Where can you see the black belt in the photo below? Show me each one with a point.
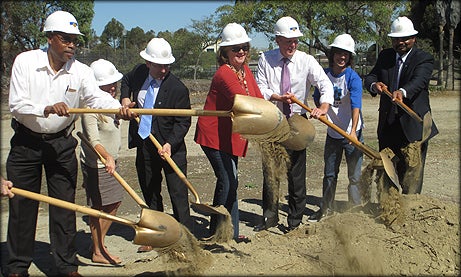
(18, 127)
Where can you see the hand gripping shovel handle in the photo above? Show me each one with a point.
(387, 163)
(368, 151)
(402, 105)
(117, 176)
(174, 166)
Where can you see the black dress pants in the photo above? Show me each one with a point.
(27, 157)
(149, 167)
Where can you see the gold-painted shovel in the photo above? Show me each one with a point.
(154, 228)
(197, 204)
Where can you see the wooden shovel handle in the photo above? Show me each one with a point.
(367, 150)
(175, 167)
(70, 206)
(402, 105)
(157, 112)
(117, 176)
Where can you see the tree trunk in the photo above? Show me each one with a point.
(450, 76)
(440, 80)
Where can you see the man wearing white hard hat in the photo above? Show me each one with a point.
(346, 114)
(44, 84)
(103, 191)
(152, 85)
(405, 71)
(283, 73)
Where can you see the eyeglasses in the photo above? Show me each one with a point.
(67, 40)
(237, 49)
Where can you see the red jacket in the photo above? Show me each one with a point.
(216, 132)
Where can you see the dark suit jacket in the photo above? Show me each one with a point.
(172, 94)
(414, 78)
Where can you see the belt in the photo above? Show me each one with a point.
(43, 136)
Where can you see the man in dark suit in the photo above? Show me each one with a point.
(152, 85)
(406, 70)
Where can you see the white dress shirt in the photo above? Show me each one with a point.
(305, 72)
(34, 85)
(145, 86)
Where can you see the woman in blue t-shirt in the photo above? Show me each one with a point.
(346, 114)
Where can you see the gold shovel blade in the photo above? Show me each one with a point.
(156, 229)
(254, 116)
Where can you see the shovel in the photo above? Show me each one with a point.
(386, 160)
(249, 115)
(197, 204)
(148, 216)
(426, 121)
(154, 228)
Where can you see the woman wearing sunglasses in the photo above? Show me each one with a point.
(214, 134)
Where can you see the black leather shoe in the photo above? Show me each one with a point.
(268, 223)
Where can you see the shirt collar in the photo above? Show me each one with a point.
(43, 62)
(404, 56)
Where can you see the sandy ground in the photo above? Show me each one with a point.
(424, 241)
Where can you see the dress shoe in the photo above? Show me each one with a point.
(144, 248)
(18, 275)
(318, 215)
(268, 223)
(74, 274)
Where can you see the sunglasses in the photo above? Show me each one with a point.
(66, 40)
(237, 49)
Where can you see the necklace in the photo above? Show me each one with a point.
(241, 77)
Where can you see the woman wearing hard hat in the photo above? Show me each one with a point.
(221, 146)
(406, 70)
(103, 191)
(346, 114)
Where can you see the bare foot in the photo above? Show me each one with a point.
(105, 258)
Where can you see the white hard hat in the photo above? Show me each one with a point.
(158, 51)
(233, 34)
(287, 27)
(344, 42)
(402, 27)
(61, 21)
(105, 72)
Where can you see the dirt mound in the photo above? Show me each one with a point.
(425, 242)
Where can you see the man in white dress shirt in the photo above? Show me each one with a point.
(304, 72)
(44, 84)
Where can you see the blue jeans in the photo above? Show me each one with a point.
(332, 156)
(225, 170)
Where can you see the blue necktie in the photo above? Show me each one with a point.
(146, 120)
(285, 85)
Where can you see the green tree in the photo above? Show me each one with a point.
(320, 21)
(113, 33)
(22, 24)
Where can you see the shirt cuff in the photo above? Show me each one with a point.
(404, 92)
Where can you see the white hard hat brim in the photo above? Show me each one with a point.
(293, 35)
(112, 79)
(235, 42)
(401, 35)
(342, 47)
(149, 58)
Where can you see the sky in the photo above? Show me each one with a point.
(159, 15)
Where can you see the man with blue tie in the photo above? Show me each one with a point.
(406, 70)
(152, 85)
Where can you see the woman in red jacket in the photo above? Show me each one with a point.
(214, 134)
